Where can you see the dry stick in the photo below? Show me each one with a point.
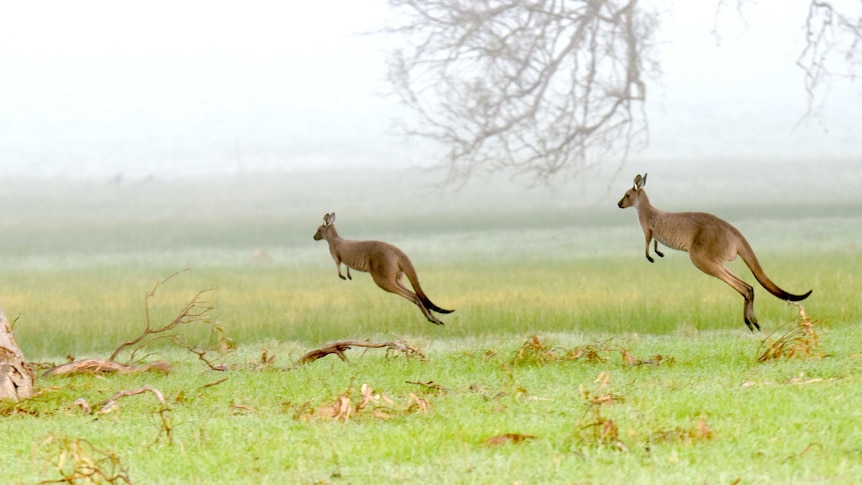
(429, 385)
(200, 353)
(214, 383)
(340, 346)
(134, 392)
(105, 406)
(82, 403)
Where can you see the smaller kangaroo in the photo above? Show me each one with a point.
(386, 263)
(709, 241)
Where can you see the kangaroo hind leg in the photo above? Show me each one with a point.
(391, 282)
(718, 270)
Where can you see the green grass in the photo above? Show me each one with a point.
(78, 264)
(90, 310)
(711, 414)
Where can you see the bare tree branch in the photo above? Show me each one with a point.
(829, 33)
(539, 87)
(832, 45)
(535, 87)
(195, 310)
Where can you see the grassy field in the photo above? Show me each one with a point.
(569, 359)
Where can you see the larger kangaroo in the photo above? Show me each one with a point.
(386, 263)
(710, 242)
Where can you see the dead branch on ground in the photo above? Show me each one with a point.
(370, 404)
(506, 438)
(199, 352)
(535, 352)
(79, 461)
(214, 383)
(430, 385)
(108, 404)
(133, 392)
(340, 346)
(95, 366)
(195, 310)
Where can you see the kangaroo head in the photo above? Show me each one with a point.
(632, 195)
(328, 219)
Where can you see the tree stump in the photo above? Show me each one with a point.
(16, 379)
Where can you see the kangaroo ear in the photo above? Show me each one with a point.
(640, 181)
(330, 218)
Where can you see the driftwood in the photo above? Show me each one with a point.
(340, 346)
(96, 366)
(16, 378)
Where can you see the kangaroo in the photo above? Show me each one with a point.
(386, 263)
(709, 241)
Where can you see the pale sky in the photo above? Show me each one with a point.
(94, 88)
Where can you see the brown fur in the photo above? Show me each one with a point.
(709, 241)
(386, 263)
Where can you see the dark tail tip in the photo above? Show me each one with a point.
(791, 297)
(431, 306)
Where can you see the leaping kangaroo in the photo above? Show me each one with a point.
(709, 241)
(386, 263)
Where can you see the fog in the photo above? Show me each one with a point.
(99, 89)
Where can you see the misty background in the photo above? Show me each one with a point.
(101, 89)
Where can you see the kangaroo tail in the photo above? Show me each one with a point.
(410, 273)
(748, 256)
(431, 306)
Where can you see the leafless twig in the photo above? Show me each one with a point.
(79, 461)
(133, 392)
(829, 33)
(195, 310)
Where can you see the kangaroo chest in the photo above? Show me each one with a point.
(666, 229)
